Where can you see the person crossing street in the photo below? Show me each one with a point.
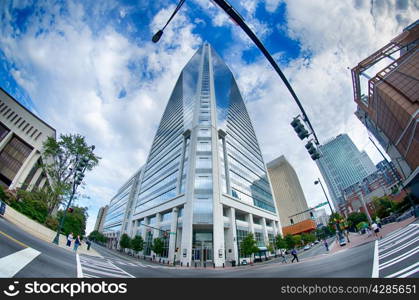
(294, 254)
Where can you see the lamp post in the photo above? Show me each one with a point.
(330, 206)
(81, 166)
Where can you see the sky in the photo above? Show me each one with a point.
(90, 67)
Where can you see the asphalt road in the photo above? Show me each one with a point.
(397, 257)
(52, 261)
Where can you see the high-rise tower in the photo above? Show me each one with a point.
(204, 180)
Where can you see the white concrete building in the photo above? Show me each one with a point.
(22, 135)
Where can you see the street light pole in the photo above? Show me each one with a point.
(317, 182)
(80, 168)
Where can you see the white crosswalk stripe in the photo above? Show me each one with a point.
(93, 267)
(11, 264)
(398, 253)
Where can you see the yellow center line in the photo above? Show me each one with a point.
(13, 239)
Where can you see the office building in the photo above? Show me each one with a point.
(289, 195)
(386, 92)
(342, 165)
(204, 185)
(100, 220)
(22, 135)
(117, 218)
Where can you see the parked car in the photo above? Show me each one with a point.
(307, 247)
(2, 208)
(316, 242)
(407, 214)
(342, 241)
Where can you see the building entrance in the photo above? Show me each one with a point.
(202, 251)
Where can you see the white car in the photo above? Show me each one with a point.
(306, 247)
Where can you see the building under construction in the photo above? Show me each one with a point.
(386, 90)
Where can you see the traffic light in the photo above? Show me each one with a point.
(311, 215)
(70, 210)
(312, 151)
(299, 128)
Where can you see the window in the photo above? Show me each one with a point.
(3, 131)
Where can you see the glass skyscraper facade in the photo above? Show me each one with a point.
(204, 170)
(342, 165)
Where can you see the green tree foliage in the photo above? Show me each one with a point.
(356, 217)
(280, 243)
(125, 241)
(298, 240)
(248, 245)
(290, 241)
(96, 236)
(30, 204)
(158, 246)
(60, 159)
(308, 238)
(137, 243)
(75, 221)
(384, 206)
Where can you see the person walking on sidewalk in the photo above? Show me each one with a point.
(294, 254)
(77, 243)
(69, 239)
(376, 230)
(284, 258)
(326, 244)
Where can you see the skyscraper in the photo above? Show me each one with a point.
(289, 195)
(386, 92)
(342, 165)
(204, 182)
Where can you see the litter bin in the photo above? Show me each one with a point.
(233, 263)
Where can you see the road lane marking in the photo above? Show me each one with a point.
(375, 262)
(411, 230)
(409, 273)
(404, 271)
(399, 258)
(392, 251)
(14, 240)
(10, 265)
(398, 241)
(98, 267)
(79, 269)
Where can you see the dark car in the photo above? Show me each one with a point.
(2, 208)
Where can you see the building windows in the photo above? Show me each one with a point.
(12, 158)
(3, 131)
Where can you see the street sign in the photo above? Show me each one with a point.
(321, 204)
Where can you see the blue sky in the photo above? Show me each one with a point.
(90, 67)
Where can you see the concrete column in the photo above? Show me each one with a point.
(34, 179)
(265, 232)
(231, 239)
(249, 219)
(42, 183)
(173, 235)
(6, 140)
(274, 228)
(24, 170)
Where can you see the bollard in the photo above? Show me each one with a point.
(214, 265)
(187, 264)
(181, 264)
(223, 265)
(195, 264)
(205, 264)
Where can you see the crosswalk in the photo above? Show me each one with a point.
(11, 264)
(99, 267)
(397, 255)
(103, 267)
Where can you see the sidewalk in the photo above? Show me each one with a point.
(356, 239)
(42, 232)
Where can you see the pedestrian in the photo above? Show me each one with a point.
(69, 239)
(294, 254)
(284, 258)
(347, 235)
(88, 244)
(378, 221)
(376, 230)
(77, 243)
(326, 244)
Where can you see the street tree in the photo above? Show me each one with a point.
(383, 206)
(248, 246)
(290, 241)
(96, 236)
(280, 243)
(137, 243)
(125, 241)
(355, 218)
(75, 220)
(60, 159)
(158, 246)
(308, 238)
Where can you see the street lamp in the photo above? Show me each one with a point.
(240, 22)
(330, 206)
(80, 168)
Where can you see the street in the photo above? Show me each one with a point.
(22, 255)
